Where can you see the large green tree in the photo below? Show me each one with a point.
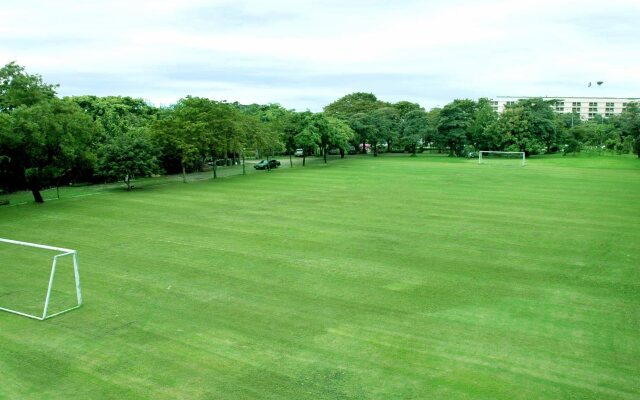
(10, 172)
(309, 138)
(339, 134)
(47, 140)
(513, 128)
(179, 133)
(478, 135)
(262, 127)
(543, 121)
(128, 155)
(117, 114)
(406, 107)
(415, 127)
(387, 120)
(431, 135)
(291, 125)
(364, 127)
(19, 88)
(455, 121)
(197, 129)
(354, 103)
(530, 126)
(38, 146)
(630, 125)
(320, 125)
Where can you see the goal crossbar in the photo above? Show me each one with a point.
(480, 153)
(62, 253)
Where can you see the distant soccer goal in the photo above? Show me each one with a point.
(27, 284)
(501, 156)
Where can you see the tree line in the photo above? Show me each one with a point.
(50, 141)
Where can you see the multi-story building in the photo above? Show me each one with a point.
(587, 107)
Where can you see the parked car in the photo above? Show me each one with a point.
(334, 151)
(299, 153)
(264, 164)
(352, 150)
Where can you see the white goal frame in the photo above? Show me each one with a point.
(62, 253)
(522, 163)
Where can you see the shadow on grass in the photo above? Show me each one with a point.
(148, 183)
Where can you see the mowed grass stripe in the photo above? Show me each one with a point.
(370, 278)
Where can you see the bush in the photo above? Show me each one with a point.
(470, 151)
(626, 146)
(572, 146)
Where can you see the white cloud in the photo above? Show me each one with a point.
(299, 53)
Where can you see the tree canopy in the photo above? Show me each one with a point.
(47, 141)
(354, 103)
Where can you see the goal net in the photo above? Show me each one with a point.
(38, 281)
(502, 157)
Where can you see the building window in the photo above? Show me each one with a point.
(510, 103)
(593, 109)
(576, 104)
(575, 110)
(609, 104)
(592, 115)
(593, 104)
(608, 114)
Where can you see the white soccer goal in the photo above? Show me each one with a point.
(504, 155)
(62, 252)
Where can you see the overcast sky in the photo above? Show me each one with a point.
(305, 54)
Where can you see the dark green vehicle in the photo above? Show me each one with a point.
(264, 164)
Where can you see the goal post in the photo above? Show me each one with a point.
(508, 154)
(61, 252)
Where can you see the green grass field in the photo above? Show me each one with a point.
(396, 277)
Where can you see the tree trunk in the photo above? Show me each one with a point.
(244, 172)
(364, 149)
(375, 149)
(127, 181)
(36, 195)
(303, 158)
(324, 154)
(388, 146)
(290, 161)
(341, 153)
(184, 174)
(33, 183)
